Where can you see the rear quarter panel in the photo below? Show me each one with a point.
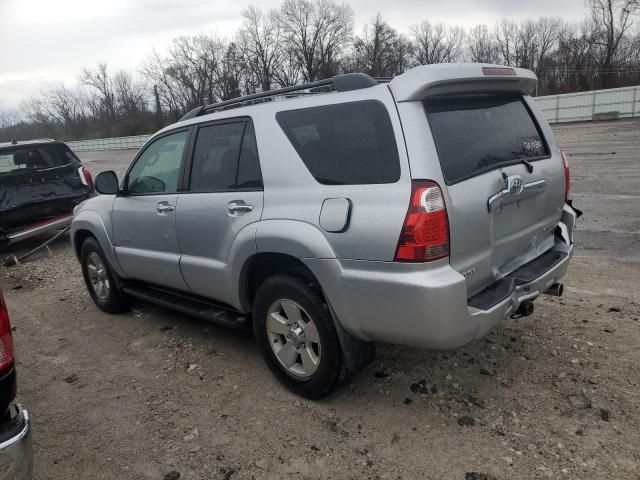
(291, 192)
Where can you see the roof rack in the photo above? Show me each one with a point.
(340, 83)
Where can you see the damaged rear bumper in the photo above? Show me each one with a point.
(37, 228)
(16, 451)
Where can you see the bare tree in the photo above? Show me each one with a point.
(261, 39)
(130, 94)
(612, 20)
(517, 43)
(189, 74)
(437, 43)
(482, 47)
(289, 71)
(548, 31)
(315, 33)
(312, 39)
(232, 68)
(100, 80)
(380, 51)
(154, 69)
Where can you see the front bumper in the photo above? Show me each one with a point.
(16, 452)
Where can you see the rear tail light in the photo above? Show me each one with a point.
(6, 342)
(425, 233)
(85, 177)
(567, 177)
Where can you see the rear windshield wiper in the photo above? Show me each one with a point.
(528, 164)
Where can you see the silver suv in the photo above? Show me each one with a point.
(332, 215)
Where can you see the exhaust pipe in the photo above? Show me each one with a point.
(555, 290)
(524, 310)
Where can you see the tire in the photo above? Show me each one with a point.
(96, 271)
(272, 323)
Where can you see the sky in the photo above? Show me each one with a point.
(45, 43)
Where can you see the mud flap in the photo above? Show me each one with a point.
(357, 354)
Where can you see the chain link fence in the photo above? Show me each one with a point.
(115, 143)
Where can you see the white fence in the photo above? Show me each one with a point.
(115, 143)
(579, 107)
(568, 107)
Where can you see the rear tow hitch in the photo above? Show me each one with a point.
(524, 310)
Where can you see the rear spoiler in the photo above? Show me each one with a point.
(428, 80)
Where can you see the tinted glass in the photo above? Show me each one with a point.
(215, 159)
(157, 170)
(344, 144)
(249, 175)
(475, 133)
(36, 157)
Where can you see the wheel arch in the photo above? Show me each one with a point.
(89, 224)
(261, 266)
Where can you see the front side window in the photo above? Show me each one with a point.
(344, 144)
(157, 170)
(475, 133)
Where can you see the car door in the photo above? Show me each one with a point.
(223, 194)
(143, 217)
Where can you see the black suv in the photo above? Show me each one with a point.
(15, 428)
(41, 181)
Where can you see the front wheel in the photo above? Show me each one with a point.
(99, 279)
(298, 339)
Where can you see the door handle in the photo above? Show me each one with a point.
(238, 207)
(164, 207)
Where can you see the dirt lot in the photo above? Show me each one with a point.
(150, 393)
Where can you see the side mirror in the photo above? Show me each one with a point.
(107, 183)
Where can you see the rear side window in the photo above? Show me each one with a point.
(36, 157)
(249, 175)
(479, 132)
(344, 144)
(225, 158)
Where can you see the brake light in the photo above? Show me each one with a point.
(85, 177)
(499, 71)
(425, 233)
(6, 341)
(567, 177)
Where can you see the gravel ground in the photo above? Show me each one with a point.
(152, 394)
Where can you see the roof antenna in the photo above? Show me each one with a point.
(14, 142)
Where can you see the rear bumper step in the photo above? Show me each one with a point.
(505, 287)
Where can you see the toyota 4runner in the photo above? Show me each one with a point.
(332, 215)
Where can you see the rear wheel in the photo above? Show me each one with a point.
(99, 278)
(298, 339)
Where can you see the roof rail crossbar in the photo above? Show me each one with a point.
(341, 83)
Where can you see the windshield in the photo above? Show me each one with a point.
(36, 157)
(475, 133)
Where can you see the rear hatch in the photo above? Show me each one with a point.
(502, 178)
(39, 181)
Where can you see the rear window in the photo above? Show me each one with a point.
(344, 144)
(479, 132)
(35, 157)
